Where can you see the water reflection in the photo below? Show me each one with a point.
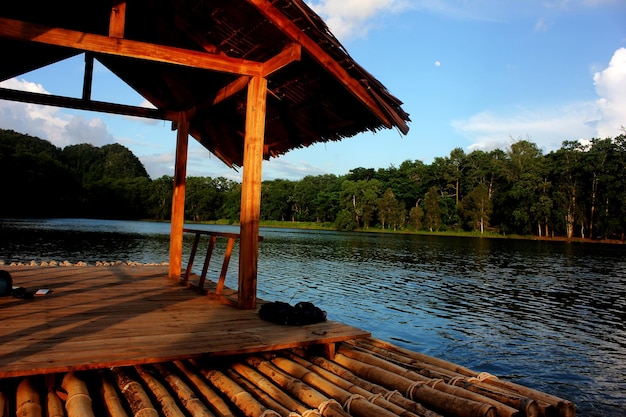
(549, 315)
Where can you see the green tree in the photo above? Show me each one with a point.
(231, 207)
(565, 172)
(359, 199)
(477, 207)
(432, 209)
(416, 217)
(159, 200)
(523, 175)
(391, 212)
(277, 200)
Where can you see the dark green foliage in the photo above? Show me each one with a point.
(575, 191)
(33, 178)
(41, 180)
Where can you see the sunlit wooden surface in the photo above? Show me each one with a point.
(102, 316)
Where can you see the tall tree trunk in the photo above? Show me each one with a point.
(569, 218)
(594, 193)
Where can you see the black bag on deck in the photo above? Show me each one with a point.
(6, 283)
(284, 313)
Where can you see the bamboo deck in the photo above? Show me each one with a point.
(126, 341)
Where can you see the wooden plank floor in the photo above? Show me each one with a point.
(102, 316)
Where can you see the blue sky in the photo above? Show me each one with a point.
(471, 74)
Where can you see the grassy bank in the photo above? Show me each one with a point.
(450, 233)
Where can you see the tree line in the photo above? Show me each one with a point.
(578, 190)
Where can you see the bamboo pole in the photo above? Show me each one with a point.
(425, 369)
(269, 388)
(546, 401)
(168, 403)
(219, 406)
(353, 403)
(78, 402)
(54, 405)
(28, 403)
(259, 394)
(240, 397)
(308, 395)
(443, 402)
(352, 388)
(111, 399)
(135, 394)
(390, 395)
(502, 410)
(188, 398)
(529, 406)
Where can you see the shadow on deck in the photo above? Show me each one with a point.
(99, 317)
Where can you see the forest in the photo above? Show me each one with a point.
(578, 190)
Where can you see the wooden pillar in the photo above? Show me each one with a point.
(178, 198)
(251, 192)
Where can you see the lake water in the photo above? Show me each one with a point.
(548, 315)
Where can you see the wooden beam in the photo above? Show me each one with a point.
(318, 54)
(117, 21)
(178, 198)
(24, 31)
(251, 191)
(80, 104)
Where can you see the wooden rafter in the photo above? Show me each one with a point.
(24, 31)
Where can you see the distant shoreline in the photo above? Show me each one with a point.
(488, 235)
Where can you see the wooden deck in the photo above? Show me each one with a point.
(103, 316)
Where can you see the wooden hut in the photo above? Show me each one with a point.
(248, 79)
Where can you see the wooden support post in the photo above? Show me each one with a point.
(178, 198)
(117, 21)
(88, 77)
(251, 192)
(329, 351)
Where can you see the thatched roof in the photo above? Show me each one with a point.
(196, 56)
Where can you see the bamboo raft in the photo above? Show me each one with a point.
(341, 373)
(366, 378)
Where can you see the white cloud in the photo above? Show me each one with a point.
(549, 127)
(290, 167)
(611, 87)
(49, 123)
(354, 18)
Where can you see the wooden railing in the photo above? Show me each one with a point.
(219, 289)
